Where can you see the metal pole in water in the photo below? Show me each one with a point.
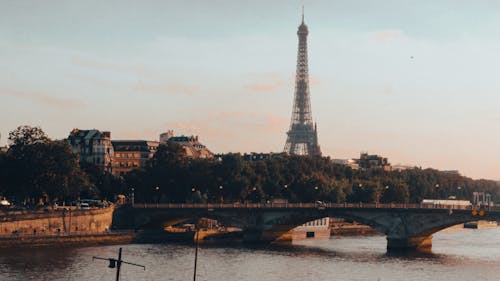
(118, 264)
(195, 254)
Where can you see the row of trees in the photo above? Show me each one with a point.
(171, 177)
(36, 168)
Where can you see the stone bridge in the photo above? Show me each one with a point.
(406, 226)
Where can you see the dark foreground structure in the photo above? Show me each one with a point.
(407, 226)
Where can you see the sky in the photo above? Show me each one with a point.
(414, 81)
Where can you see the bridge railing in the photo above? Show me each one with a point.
(238, 205)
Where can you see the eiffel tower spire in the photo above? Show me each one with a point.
(302, 138)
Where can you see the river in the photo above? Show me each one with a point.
(458, 255)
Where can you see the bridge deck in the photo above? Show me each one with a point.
(310, 205)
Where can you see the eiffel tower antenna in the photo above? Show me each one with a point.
(302, 14)
(302, 138)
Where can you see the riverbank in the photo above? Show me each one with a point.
(347, 228)
(89, 239)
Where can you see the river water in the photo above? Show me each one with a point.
(457, 255)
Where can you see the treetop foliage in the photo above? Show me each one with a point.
(36, 167)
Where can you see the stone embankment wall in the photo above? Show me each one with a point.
(60, 221)
(67, 240)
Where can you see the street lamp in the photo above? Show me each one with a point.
(221, 196)
(193, 189)
(157, 195)
(132, 196)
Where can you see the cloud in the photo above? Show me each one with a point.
(95, 63)
(166, 88)
(264, 82)
(42, 98)
(189, 127)
(386, 35)
(236, 131)
(314, 81)
(136, 133)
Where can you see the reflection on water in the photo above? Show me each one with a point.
(461, 255)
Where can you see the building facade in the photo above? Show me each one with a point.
(93, 146)
(372, 161)
(191, 144)
(132, 154)
(254, 156)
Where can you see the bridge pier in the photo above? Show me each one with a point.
(420, 243)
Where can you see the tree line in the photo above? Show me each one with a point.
(171, 177)
(37, 169)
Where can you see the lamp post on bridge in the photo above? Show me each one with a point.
(437, 191)
(221, 194)
(132, 196)
(157, 196)
(459, 189)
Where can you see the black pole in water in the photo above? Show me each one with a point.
(195, 254)
(118, 264)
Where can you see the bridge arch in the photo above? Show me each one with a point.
(404, 226)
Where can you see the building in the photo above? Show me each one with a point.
(132, 154)
(253, 156)
(192, 146)
(401, 167)
(481, 199)
(372, 161)
(93, 146)
(352, 163)
(302, 137)
(319, 228)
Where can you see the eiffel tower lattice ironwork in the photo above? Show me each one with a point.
(303, 135)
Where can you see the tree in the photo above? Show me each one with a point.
(42, 169)
(26, 135)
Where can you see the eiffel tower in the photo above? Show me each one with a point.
(303, 134)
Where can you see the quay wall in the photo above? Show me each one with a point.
(62, 221)
(67, 240)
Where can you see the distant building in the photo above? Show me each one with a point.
(93, 146)
(352, 163)
(319, 228)
(481, 199)
(400, 167)
(253, 156)
(132, 154)
(192, 146)
(373, 161)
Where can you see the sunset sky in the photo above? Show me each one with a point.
(415, 81)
